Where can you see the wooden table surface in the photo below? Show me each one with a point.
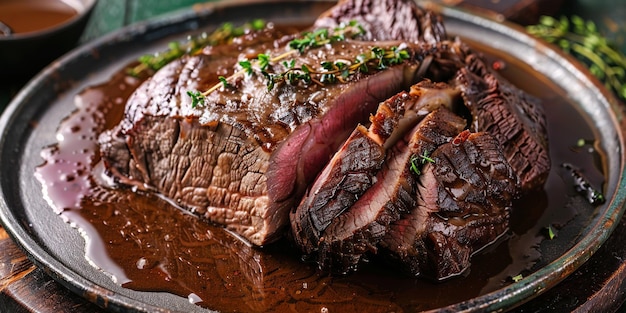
(598, 286)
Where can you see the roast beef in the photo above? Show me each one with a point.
(464, 199)
(357, 161)
(358, 230)
(351, 172)
(244, 157)
(353, 169)
(514, 117)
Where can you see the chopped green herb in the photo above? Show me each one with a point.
(583, 186)
(324, 36)
(417, 161)
(271, 79)
(581, 142)
(247, 66)
(517, 278)
(425, 158)
(264, 61)
(414, 165)
(596, 197)
(224, 82)
(550, 232)
(197, 98)
(289, 64)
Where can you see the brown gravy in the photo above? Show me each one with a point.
(24, 16)
(147, 244)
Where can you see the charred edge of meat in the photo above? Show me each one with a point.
(513, 117)
(464, 202)
(343, 180)
(358, 230)
(448, 57)
(394, 117)
(387, 20)
(386, 119)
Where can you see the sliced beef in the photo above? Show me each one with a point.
(512, 116)
(357, 227)
(350, 172)
(396, 116)
(464, 200)
(245, 157)
(360, 158)
(448, 58)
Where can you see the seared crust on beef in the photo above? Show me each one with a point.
(245, 157)
(513, 117)
(348, 175)
(361, 228)
(356, 219)
(464, 201)
(409, 185)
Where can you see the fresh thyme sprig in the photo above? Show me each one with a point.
(224, 34)
(338, 71)
(324, 36)
(418, 160)
(582, 39)
(247, 67)
(308, 40)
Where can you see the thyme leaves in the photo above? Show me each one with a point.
(327, 72)
(222, 35)
(550, 232)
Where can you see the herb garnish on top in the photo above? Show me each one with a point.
(327, 72)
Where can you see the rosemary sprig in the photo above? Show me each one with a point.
(224, 34)
(582, 39)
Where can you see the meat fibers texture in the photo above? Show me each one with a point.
(417, 161)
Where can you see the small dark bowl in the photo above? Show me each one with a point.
(23, 54)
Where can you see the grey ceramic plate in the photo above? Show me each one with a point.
(30, 121)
